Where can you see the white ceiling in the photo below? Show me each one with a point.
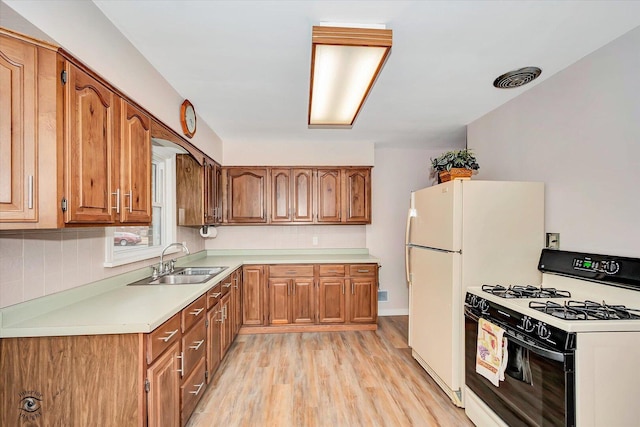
(245, 65)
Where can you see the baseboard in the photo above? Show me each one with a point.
(393, 312)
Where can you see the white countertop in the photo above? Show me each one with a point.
(111, 307)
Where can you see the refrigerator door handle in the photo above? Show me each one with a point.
(407, 265)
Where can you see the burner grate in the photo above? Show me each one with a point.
(585, 310)
(525, 291)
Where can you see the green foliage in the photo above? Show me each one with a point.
(455, 159)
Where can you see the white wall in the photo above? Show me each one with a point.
(285, 154)
(579, 132)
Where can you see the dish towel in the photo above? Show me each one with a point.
(491, 355)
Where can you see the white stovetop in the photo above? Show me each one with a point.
(580, 290)
(111, 307)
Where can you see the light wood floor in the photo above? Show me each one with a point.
(332, 379)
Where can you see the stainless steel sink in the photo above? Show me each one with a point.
(182, 276)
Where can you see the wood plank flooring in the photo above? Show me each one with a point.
(364, 378)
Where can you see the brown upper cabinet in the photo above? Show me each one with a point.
(247, 195)
(73, 150)
(28, 140)
(291, 195)
(198, 191)
(298, 195)
(107, 152)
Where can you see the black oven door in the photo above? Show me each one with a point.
(538, 389)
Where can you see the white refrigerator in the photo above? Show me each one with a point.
(459, 234)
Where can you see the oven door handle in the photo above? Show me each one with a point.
(541, 351)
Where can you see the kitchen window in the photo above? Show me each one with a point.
(124, 245)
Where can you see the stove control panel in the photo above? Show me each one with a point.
(608, 269)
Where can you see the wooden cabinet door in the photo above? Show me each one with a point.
(279, 306)
(363, 305)
(89, 149)
(331, 300)
(210, 193)
(281, 195)
(329, 195)
(135, 166)
(189, 190)
(214, 340)
(302, 300)
(163, 399)
(302, 195)
(236, 294)
(18, 131)
(218, 194)
(226, 330)
(247, 190)
(253, 295)
(358, 195)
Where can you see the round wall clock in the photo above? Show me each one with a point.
(188, 118)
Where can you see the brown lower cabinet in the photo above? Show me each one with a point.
(118, 380)
(292, 296)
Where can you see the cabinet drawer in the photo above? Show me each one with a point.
(194, 312)
(162, 337)
(213, 295)
(331, 270)
(225, 285)
(193, 346)
(296, 270)
(362, 270)
(192, 389)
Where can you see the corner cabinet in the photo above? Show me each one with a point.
(198, 191)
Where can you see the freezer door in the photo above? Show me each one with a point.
(436, 218)
(435, 313)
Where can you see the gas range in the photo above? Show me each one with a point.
(590, 300)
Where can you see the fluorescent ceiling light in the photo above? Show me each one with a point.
(345, 63)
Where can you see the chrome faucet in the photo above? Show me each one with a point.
(165, 268)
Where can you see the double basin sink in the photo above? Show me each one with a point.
(182, 276)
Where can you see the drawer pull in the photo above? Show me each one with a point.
(197, 345)
(197, 311)
(227, 285)
(168, 337)
(291, 272)
(363, 271)
(215, 295)
(199, 388)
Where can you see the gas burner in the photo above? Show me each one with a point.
(585, 310)
(528, 291)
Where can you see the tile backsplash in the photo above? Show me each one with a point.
(42, 262)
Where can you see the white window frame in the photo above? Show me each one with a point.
(165, 159)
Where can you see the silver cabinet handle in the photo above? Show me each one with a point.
(352, 289)
(199, 388)
(291, 272)
(363, 271)
(181, 357)
(224, 312)
(117, 206)
(168, 337)
(215, 295)
(197, 345)
(342, 288)
(197, 311)
(30, 193)
(227, 285)
(130, 196)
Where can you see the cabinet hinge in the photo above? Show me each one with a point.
(206, 376)
(147, 385)
(63, 77)
(206, 323)
(63, 204)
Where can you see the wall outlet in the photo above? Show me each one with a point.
(314, 240)
(553, 241)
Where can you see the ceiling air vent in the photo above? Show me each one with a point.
(517, 78)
